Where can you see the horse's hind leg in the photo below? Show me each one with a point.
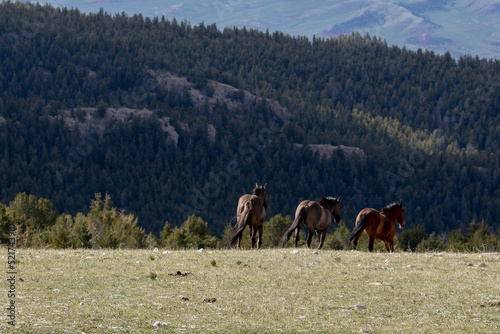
(309, 237)
(297, 234)
(355, 241)
(252, 236)
(370, 245)
(321, 238)
(388, 246)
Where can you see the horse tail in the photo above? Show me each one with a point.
(360, 226)
(241, 223)
(296, 223)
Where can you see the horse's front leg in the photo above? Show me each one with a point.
(309, 237)
(387, 245)
(391, 245)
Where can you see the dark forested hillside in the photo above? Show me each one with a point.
(172, 119)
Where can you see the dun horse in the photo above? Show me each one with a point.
(316, 217)
(378, 225)
(251, 211)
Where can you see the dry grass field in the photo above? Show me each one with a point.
(266, 291)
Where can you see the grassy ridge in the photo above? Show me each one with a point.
(272, 290)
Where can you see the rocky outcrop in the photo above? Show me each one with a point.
(325, 151)
(219, 92)
(88, 120)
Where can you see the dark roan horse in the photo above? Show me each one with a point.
(316, 216)
(251, 211)
(378, 225)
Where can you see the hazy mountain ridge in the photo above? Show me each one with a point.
(461, 27)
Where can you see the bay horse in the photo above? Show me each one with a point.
(251, 211)
(378, 225)
(316, 216)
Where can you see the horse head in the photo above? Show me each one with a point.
(395, 210)
(261, 191)
(332, 204)
(401, 216)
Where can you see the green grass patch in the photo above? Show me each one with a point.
(265, 291)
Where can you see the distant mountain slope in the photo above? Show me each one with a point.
(462, 27)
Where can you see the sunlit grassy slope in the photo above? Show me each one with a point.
(266, 291)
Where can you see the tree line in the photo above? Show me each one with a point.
(428, 124)
(37, 225)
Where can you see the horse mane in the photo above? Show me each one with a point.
(323, 201)
(257, 191)
(391, 206)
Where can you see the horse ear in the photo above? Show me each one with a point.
(265, 186)
(340, 198)
(256, 185)
(401, 204)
